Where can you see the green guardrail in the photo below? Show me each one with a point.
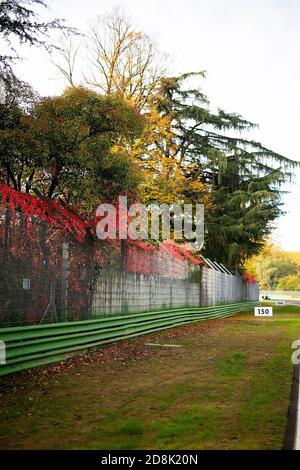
(37, 345)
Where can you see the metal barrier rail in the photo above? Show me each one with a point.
(38, 345)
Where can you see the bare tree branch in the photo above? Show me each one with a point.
(122, 60)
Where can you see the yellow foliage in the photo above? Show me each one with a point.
(274, 268)
(164, 175)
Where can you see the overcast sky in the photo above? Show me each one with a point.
(249, 48)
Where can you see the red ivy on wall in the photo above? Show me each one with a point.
(45, 210)
(65, 220)
(182, 252)
(149, 259)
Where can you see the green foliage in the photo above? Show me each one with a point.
(63, 147)
(291, 282)
(244, 177)
(242, 217)
(275, 268)
(196, 274)
(272, 269)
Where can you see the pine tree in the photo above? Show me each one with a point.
(245, 178)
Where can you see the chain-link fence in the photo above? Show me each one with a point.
(46, 276)
(164, 260)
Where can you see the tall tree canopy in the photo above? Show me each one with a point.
(243, 178)
(82, 144)
(63, 147)
(120, 59)
(275, 268)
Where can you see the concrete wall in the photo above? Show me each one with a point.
(221, 288)
(122, 292)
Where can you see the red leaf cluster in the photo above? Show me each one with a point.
(45, 209)
(182, 252)
(170, 259)
(248, 278)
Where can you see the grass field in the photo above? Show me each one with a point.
(226, 387)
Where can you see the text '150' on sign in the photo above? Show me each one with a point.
(263, 311)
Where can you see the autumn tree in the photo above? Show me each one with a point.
(275, 268)
(64, 147)
(291, 282)
(123, 60)
(119, 59)
(243, 176)
(187, 151)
